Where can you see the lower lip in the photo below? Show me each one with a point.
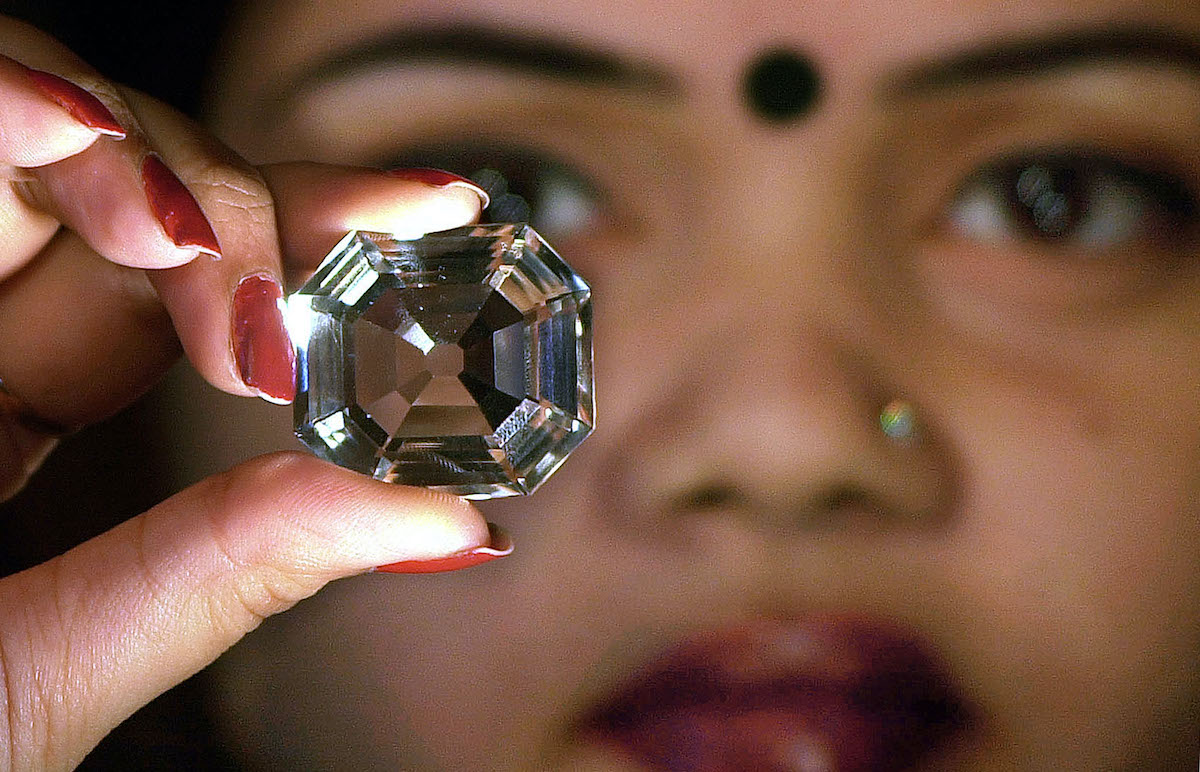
(827, 693)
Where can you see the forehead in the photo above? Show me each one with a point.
(705, 43)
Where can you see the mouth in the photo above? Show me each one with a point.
(818, 693)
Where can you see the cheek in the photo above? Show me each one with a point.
(1077, 545)
(647, 307)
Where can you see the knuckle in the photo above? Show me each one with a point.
(233, 187)
(254, 595)
(235, 198)
(106, 91)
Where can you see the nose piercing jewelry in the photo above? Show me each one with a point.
(898, 419)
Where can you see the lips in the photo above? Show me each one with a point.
(821, 693)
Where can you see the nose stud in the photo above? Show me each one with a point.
(898, 419)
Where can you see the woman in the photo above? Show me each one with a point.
(976, 222)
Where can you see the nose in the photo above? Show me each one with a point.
(769, 413)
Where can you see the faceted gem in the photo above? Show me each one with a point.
(460, 361)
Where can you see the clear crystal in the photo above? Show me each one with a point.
(460, 361)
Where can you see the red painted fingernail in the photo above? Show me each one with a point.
(498, 546)
(261, 346)
(440, 179)
(80, 103)
(176, 209)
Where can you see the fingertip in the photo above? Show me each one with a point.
(102, 194)
(318, 204)
(79, 103)
(498, 545)
(438, 178)
(299, 513)
(37, 128)
(170, 257)
(410, 209)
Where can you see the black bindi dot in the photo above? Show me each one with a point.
(781, 86)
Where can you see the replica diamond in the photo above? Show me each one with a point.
(460, 361)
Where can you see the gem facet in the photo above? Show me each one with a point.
(460, 361)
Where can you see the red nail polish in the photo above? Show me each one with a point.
(440, 179)
(176, 209)
(261, 346)
(81, 104)
(499, 545)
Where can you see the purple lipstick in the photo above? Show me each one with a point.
(819, 693)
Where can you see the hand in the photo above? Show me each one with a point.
(114, 210)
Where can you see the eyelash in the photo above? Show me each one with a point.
(1080, 199)
(1049, 226)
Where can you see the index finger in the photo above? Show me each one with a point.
(317, 205)
(227, 313)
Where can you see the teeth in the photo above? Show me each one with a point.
(807, 754)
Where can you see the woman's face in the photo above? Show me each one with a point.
(990, 211)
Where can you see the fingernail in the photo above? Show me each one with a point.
(440, 179)
(176, 209)
(263, 351)
(499, 545)
(80, 103)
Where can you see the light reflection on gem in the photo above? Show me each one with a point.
(460, 361)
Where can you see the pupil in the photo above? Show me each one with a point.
(1047, 200)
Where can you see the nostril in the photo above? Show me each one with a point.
(844, 499)
(835, 506)
(708, 496)
(848, 506)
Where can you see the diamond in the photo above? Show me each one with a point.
(460, 361)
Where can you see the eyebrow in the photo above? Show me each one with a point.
(1046, 55)
(546, 57)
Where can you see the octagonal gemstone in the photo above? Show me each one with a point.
(460, 361)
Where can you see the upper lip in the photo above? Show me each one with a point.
(782, 694)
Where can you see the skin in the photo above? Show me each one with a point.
(761, 291)
(1042, 536)
(90, 636)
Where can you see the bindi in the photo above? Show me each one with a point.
(781, 86)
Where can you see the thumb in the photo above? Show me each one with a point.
(89, 637)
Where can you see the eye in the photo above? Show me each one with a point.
(1075, 200)
(526, 184)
